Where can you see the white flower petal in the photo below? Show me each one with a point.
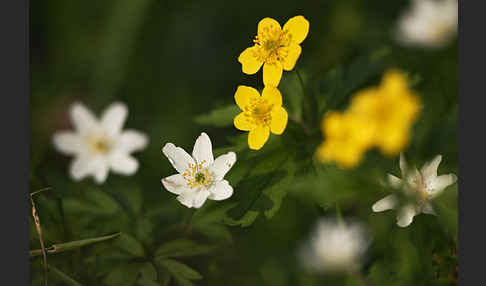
(68, 143)
(114, 117)
(428, 209)
(130, 141)
(437, 185)
(405, 215)
(101, 171)
(395, 182)
(222, 165)
(200, 198)
(82, 118)
(123, 163)
(186, 198)
(174, 184)
(193, 198)
(388, 202)
(220, 191)
(80, 168)
(179, 158)
(203, 150)
(429, 170)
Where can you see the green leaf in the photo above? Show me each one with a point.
(63, 277)
(181, 273)
(58, 248)
(130, 245)
(338, 84)
(254, 192)
(94, 202)
(181, 248)
(219, 117)
(127, 273)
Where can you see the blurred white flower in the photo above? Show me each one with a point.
(419, 187)
(335, 247)
(428, 23)
(200, 176)
(100, 145)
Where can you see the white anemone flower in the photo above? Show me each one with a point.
(335, 247)
(428, 23)
(100, 145)
(199, 177)
(419, 188)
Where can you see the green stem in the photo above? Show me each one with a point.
(339, 215)
(188, 222)
(307, 103)
(359, 276)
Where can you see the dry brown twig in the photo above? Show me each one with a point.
(39, 231)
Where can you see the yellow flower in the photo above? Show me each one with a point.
(261, 114)
(346, 139)
(389, 109)
(275, 48)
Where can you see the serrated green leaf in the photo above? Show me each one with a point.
(181, 248)
(338, 84)
(123, 275)
(179, 271)
(129, 244)
(94, 202)
(250, 192)
(59, 275)
(219, 117)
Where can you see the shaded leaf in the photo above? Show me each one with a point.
(219, 117)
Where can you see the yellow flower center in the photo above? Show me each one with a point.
(197, 176)
(258, 112)
(420, 189)
(99, 143)
(272, 42)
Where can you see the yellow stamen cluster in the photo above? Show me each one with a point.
(99, 143)
(380, 116)
(197, 176)
(258, 112)
(271, 43)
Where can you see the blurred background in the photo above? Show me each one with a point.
(171, 61)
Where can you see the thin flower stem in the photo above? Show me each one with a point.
(299, 122)
(339, 215)
(188, 222)
(359, 276)
(307, 103)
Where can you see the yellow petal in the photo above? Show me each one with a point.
(298, 28)
(394, 81)
(392, 141)
(243, 123)
(272, 95)
(245, 94)
(268, 27)
(250, 61)
(272, 73)
(292, 53)
(279, 120)
(257, 137)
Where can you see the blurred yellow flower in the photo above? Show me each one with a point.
(260, 114)
(275, 48)
(389, 110)
(378, 116)
(347, 138)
